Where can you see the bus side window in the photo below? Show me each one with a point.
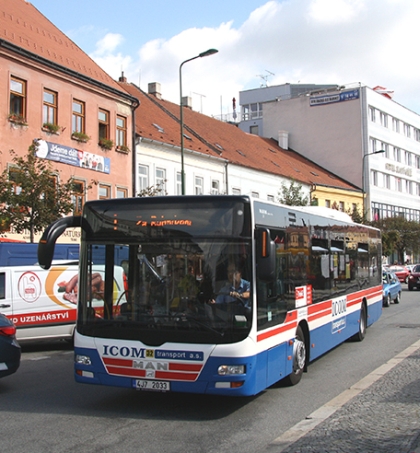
(2, 285)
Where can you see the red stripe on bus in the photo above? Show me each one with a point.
(129, 372)
(280, 329)
(176, 376)
(184, 367)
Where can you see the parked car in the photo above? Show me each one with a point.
(391, 288)
(9, 347)
(414, 279)
(401, 272)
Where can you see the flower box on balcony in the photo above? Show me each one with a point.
(80, 137)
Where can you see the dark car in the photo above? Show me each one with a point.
(414, 278)
(391, 288)
(401, 272)
(9, 347)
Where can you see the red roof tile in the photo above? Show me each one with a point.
(22, 25)
(227, 141)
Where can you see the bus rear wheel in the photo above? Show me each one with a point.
(360, 335)
(299, 358)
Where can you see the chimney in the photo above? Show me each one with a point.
(154, 89)
(187, 102)
(284, 139)
(122, 78)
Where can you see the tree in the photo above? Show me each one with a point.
(398, 235)
(31, 197)
(153, 191)
(292, 195)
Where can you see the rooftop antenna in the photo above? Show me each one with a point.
(265, 78)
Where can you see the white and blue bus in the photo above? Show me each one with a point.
(313, 281)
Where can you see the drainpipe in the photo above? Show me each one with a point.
(134, 107)
(226, 178)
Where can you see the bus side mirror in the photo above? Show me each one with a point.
(266, 255)
(47, 242)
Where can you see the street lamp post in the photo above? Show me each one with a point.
(379, 151)
(181, 116)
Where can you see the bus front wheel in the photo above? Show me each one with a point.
(299, 358)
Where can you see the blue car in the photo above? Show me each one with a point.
(9, 347)
(391, 288)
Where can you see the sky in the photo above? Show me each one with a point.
(259, 43)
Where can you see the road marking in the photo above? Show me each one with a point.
(302, 428)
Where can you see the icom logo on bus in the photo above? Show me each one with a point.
(339, 309)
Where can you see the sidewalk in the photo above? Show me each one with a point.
(379, 414)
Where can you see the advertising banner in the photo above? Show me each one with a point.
(72, 156)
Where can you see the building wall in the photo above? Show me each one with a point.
(330, 134)
(19, 138)
(337, 135)
(232, 178)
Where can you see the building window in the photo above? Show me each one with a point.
(270, 197)
(384, 119)
(78, 117)
(328, 203)
(255, 194)
(17, 97)
(214, 187)
(121, 138)
(372, 113)
(397, 154)
(143, 173)
(398, 184)
(199, 185)
(374, 178)
(253, 130)
(373, 144)
(178, 183)
(387, 181)
(13, 177)
(161, 180)
(78, 196)
(341, 206)
(417, 134)
(103, 122)
(395, 125)
(408, 158)
(236, 191)
(385, 147)
(49, 107)
(407, 130)
(121, 192)
(104, 192)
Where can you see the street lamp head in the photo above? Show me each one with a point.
(380, 151)
(208, 53)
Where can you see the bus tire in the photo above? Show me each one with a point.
(360, 335)
(299, 358)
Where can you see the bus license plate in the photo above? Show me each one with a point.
(158, 386)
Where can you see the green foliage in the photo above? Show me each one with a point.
(356, 215)
(153, 191)
(31, 197)
(292, 195)
(398, 235)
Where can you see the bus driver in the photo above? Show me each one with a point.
(236, 289)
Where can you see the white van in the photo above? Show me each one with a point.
(43, 303)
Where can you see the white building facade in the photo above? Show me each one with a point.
(342, 129)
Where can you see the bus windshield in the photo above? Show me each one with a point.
(175, 282)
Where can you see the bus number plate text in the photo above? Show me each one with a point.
(157, 386)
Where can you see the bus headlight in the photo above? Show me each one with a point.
(82, 359)
(226, 370)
